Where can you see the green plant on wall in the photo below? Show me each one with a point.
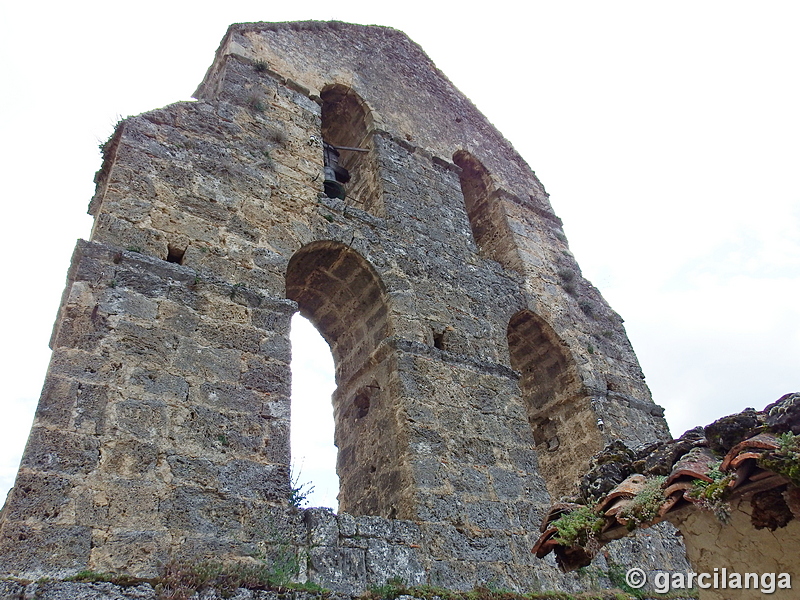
(786, 459)
(578, 526)
(712, 494)
(645, 505)
(299, 492)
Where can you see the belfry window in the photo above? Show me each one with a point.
(350, 159)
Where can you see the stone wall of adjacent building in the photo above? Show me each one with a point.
(477, 370)
(731, 541)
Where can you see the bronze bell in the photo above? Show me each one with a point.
(335, 175)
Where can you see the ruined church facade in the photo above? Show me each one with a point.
(329, 169)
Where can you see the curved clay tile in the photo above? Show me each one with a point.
(744, 470)
(736, 462)
(617, 506)
(556, 511)
(695, 464)
(678, 488)
(762, 484)
(669, 504)
(628, 488)
(762, 441)
(545, 543)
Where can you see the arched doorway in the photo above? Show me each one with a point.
(342, 295)
(314, 479)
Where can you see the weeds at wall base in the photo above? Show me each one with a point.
(394, 589)
(179, 580)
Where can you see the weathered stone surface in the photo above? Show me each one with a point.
(784, 415)
(477, 370)
(737, 545)
(87, 591)
(608, 468)
(724, 433)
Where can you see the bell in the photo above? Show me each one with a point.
(335, 176)
(333, 188)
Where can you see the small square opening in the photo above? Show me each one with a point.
(175, 255)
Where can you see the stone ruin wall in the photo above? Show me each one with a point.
(474, 364)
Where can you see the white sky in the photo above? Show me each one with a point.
(668, 135)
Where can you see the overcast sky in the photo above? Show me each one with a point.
(667, 134)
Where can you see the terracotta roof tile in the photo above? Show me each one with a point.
(695, 466)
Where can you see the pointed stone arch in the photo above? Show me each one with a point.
(564, 424)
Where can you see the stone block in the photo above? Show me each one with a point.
(178, 317)
(91, 403)
(81, 327)
(210, 432)
(475, 451)
(406, 532)
(204, 513)
(57, 402)
(60, 452)
(484, 548)
(11, 590)
(338, 569)
(141, 553)
(385, 561)
(277, 347)
(158, 383)
(134, 503)
(268, 376)
(71, 590)
(148, 344)
(31, 552)
(145, 419)
(428, 472)
(81, 365)
(146, 284)
(488, 515)
(193, 472)
(437, 508)
(230, 397)
(117, 301)
(347, 525)
(373, 527)
(230, 335)
(130, 458)
(472, 480)
(215, 364)
(38, 497)
(323, 527)
(451, 575)
(248, 479)
(508, 484)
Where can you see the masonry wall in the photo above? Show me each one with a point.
(476, 373)
(738, 547)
